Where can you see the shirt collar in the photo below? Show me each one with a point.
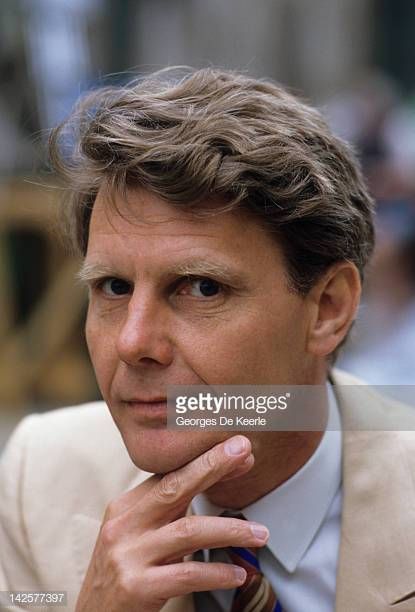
(294, 511)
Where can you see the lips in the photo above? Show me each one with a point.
(148, 412)
(146, 400)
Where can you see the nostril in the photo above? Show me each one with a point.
(148, 360)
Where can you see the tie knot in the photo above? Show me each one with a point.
(233, 514)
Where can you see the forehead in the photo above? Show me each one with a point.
(142, 225)
(142, 213)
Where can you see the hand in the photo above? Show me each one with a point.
(137, 563)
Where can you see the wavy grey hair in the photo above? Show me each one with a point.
(195, 137)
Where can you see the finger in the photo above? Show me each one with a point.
(171, 495)
(191, 533)
(242, 469)
(192, 576)
(137, 497)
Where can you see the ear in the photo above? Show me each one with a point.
(333, 304)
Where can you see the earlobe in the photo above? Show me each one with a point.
(333, 303)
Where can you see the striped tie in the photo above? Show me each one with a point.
(256, 594)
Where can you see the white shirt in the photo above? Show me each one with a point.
(303, 516)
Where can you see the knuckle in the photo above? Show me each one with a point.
(127, 586)
(208, 461)
(109, 533)
(184, 573)
(168, 489)
(131, 585)
(110, 511)
(235, 529)
(114, 562)
(186, 528)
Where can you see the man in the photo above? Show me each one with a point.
(225, 232)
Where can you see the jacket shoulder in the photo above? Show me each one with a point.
(366, 408)
(69, 457)
(87, 432)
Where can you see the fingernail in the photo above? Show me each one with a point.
(235, 446)
(240, 574)
(259, 531)
(249, 459)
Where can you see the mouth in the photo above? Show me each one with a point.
(148, 411)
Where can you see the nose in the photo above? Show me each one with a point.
(144, 336)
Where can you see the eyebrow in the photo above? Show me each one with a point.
(200, 267)
(91, 271)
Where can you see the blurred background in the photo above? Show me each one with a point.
(352, 58)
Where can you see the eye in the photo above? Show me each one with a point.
(202, 287)
(114, 286)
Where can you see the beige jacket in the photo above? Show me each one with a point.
(62, 468)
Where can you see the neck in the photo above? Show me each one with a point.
(278, 456)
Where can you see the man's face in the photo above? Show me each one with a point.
(177, 300)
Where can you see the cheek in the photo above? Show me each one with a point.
(93, 336)
(101, 346)
(254, 347)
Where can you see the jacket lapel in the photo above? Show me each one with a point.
(377, 552)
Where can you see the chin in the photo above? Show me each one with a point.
(159, 451)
